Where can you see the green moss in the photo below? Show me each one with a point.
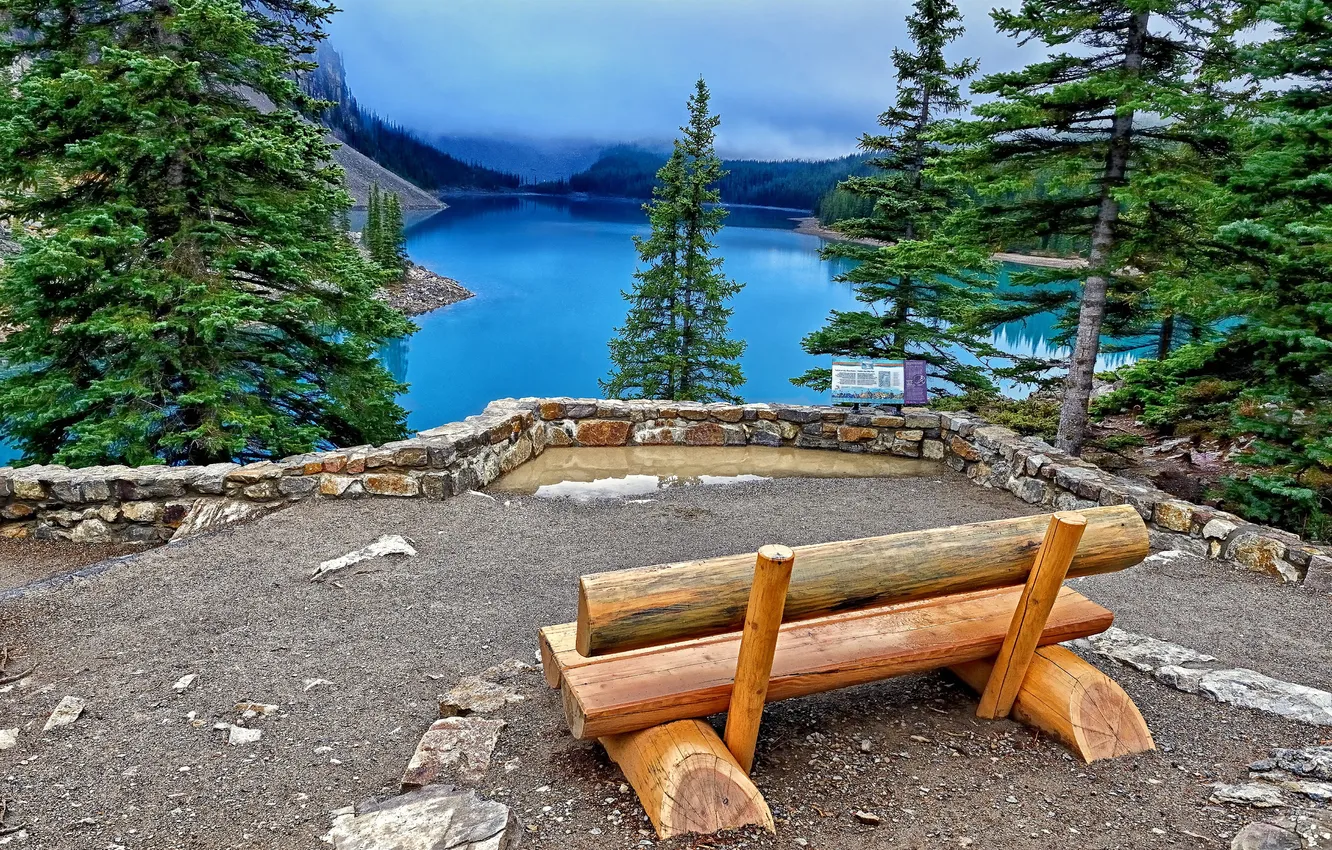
(1036, 416)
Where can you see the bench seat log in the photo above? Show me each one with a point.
(651, 606)
(691, 679)
(687, 780)
(1073, 702)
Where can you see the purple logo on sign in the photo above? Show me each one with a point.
(915, 390)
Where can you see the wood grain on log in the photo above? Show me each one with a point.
(1074, 703)
(657, 605)
(758, 642)
(1038, 597)
(630, 691)
(687, 780)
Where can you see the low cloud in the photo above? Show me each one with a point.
(790, 79)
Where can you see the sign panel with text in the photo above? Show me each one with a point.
(879, 382)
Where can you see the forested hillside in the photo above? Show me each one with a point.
(630, 172)
(389, 144)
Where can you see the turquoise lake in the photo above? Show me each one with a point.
(548, 274)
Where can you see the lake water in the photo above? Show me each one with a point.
(548, 274)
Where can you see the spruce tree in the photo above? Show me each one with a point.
(1270, 376)
(919, 287)
(183, 293)
(644, 351)
(374, 224)
(393, 240)
(1069, 140)
(674, 343)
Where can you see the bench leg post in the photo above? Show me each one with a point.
(758, 644)
(1073, 702)
(1033, 609)
(687, 780)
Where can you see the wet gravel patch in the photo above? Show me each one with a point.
(144, 768)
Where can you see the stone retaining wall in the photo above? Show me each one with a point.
(154, 504)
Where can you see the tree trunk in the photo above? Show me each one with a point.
(1091, 314)
(1167, 337)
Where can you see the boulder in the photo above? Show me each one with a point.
(211, 514)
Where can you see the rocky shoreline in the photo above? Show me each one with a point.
(421, 291)
(810, 226)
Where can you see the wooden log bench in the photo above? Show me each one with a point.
(655, 649)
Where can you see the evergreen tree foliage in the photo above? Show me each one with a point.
(674, 342)
(1115, 126)
(393, 240)
(374, 223)
(1270, 377)
(920, 285)
(384, 239)
(183, 292)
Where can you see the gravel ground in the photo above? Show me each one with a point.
(237, 609)
(24, 562)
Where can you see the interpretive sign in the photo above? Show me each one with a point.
(879, 382)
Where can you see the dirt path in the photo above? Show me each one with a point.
(237, 609)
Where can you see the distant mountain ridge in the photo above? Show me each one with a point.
(629, 171)
(533, 160)
(390, 145)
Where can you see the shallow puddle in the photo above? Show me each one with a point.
(584, 474)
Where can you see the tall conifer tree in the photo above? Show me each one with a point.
(373, 224)
(674, 343)
(1270, 376)
(393, 239)
(184, 292)
(1069, 139)
(920, 286)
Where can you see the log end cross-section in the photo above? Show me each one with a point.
(1074, 703)
(687, 780)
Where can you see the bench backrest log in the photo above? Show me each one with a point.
(650, 606)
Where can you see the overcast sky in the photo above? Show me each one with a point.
(790, 78)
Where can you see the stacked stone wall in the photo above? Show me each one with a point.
(154, 504)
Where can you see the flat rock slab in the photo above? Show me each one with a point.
(1248, 794)
(1249, 689)
(435, 818)
(1141, 652)
(1265, 836)
(455, 748)
(475, 695)
(1313, 762)
(487, 691)
(1190, 671)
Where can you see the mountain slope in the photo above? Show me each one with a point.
(362, 172)
(391, 145)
